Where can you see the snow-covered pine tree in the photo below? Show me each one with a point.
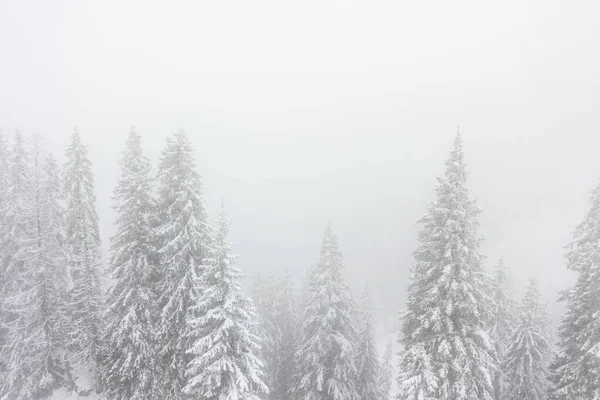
(445, 332)
(327, 353)
(132, 304)
(386, 381)
(183, 235)
(82, 246)
(277, 310)
(504, 321)
(575, 370)
(367, 360)
(527, 357)
(224, 365)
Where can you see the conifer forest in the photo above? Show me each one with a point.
(299, 200)
(165, 316)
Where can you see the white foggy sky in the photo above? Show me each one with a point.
(303, 112)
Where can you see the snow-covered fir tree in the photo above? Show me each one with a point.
(82, 245)
(277, 329)
(327, 352)
(527, 358)
(183, 236)
(55, 263)
(386, 382)
(15, 216)
(132, 304)
(448, 351)
(17, 285)
(367, 361)
(575, 370)
(36, 344)
(224, 365)
(504, 320)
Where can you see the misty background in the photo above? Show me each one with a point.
(304, 112)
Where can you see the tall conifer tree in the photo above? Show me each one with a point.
(83, 249)
(36, 345)
(130, 371)
(17, 285)
(183, 237)
(575, 370)
(449, 353)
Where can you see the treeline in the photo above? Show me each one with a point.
(175, 323)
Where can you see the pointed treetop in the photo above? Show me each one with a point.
(76, 136)
(455, 165)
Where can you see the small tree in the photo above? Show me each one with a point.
(277, 309)
(530, 351)
(369, 369)
(387, 372)
(504, 322)
(327, 352)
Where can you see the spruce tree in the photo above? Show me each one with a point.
(575, 370)
(387, 372)
(132, 305)
(327, 353)
(367, 363)
(223, 365)
(527, 357)
(183, 236)
(449, 353)
(504, 321)
(82, 245)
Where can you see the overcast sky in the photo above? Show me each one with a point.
(308, 111)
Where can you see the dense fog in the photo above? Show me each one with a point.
(308, 123)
